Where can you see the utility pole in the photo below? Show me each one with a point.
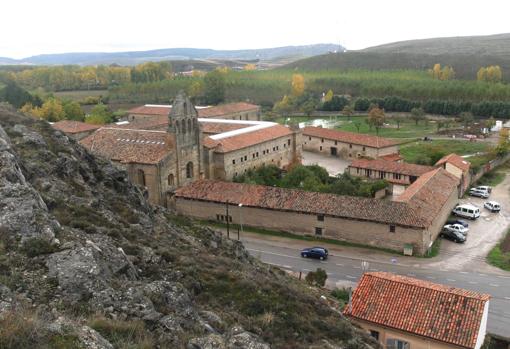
(228, 223)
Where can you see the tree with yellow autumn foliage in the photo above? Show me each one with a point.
(329, 96)
(491, 73)
(250, 67)
(298, 85)
(442, 73)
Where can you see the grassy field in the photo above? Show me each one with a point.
(416, 151)
(495, 176)
(80, 95)
(499, 256)
(408, 128)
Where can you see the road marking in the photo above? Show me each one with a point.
(451, 280)
(430, 277)
(507, 298)
(504, 277)
(350, 276)
(473, 282)
(463, 272)
(280, 265)
(355, 267)
(273, 253)
(306, 269)
(374, 269)
(340, 265)
(411, 274)
(494, 285)
(482, 274)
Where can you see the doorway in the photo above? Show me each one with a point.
(334, 151)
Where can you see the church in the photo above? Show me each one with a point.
(164, 155)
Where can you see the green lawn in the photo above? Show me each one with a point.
(499, 256)
(427, 152)
(408, 129)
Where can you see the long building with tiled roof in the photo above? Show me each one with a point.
(459, 167)
(345, 144)
(414, 220)
(75, 129)
(404, 312)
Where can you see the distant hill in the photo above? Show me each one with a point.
(465, 54)
(286, 54)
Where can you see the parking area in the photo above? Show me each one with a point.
(483, 234)
(334, 165)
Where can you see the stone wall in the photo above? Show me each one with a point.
(345, 150)
(362, 232)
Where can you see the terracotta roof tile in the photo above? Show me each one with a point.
(455, 160)
(423, 308)
(391, 157)
(349, 137)
(150, 123)
(151, 110)
(429, 193)
(70, 126)
(226, 109)
(391, 166)
(367, 209)
(127, 146)
(244, 140)
(219, 127)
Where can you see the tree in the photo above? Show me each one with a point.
(490, 123)
(214, 87)
(328, 96)
(308, 107)
(298, 85)
(417, 114)
(99, 115)
(250, 66)
(317, 278)
(357, 124)
(196, 89)
(17, 96)
(283, 107)
(503, 146)
(440, 124)
(466, 118)
(447, 73)
(348, 111)
(398, 120)
(73, 111)
(490, 73)
(481, 75)
(51, 110)
(376, 118)
(436, 71)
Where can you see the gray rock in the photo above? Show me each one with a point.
(91, 339)
(6, 300)
(238, 338)
(212, 341)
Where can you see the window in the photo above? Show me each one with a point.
(336, 143)
(171, 179)
(374, 334)
(217, 217)
(318, 231)
(241, 159)
(320, 148)
(141, 177)
(253, 155)
(350, 146)
(288, 141)
(277, 147)
(363, 148)
(320, 218)
(392, 228)
(233, 161)
(245, 157)
(257, 154)
(322, 140)
(381, 174)
(396, 344)
(357, 170)
(189, 170)
(189, 126)
(309, 138)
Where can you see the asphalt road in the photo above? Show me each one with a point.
(344, 271)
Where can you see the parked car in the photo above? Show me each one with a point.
(453, 235)
(466, 211)
(478, 193)
(458, 221)
(492, 206)
(485, 188)
(315, 252)
(457, 227)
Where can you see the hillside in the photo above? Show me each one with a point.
(135, 57)
(465, 54)
(85, 262)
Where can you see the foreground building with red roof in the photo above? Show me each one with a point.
(347, 145)
(459, 167)
(412, 222)
(407, 313)
(75, 129)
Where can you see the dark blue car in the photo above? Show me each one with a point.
(315, 252)
(458, 221)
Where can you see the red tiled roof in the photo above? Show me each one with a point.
(349, 137)
(126, 146)
(423, 308)
(153, 123)
(429, 193)
(70, 126)
(226, 109)
(391, 166)
(220, 127)
(456, 161)
(244, 140)
(391, 157)
(151, 110)
(294, 200)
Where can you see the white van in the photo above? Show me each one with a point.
(466, 211)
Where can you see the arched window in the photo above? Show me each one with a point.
(194, 124)
(189, 126)
(141, 177)
(183, 126)
(171, 179)
(176, 123)
(189, 170)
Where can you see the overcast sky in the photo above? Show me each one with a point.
(29, 27)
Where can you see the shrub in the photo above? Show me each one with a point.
(317, 278)
(342, 294)
(123, 334)
(36, 246)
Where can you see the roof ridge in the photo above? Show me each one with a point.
(377, 274)
(130, 129)
(427, 179)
